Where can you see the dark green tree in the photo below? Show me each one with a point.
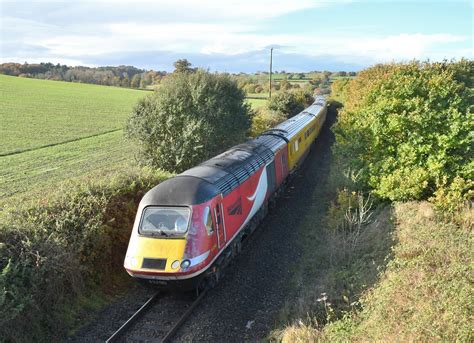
(289, 103)
(192, 117)
(182, 66)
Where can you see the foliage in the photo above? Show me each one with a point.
(265, 119)
(193, 117)
(63, 246)
(182, 66)
(407, 127)
(290, 103)
(449, 199)
(338, 88)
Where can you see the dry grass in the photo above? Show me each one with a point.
(425, 293)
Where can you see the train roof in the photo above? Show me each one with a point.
(219, 175)
(289, 128)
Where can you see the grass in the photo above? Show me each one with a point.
(36, 170)
(257, 103)
(53, 131)
(37, 113)
(422, 293)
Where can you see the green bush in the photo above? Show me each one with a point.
(407, 127)
(290, 103)
(62, 247)
(193, 117)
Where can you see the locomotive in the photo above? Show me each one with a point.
(190, 226)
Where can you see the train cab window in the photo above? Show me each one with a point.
(296, 145)
(164, 221)
(207, 217)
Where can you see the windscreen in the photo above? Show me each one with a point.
(164, 221)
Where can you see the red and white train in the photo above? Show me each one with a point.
(189, 226)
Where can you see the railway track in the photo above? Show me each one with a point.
(156, 329)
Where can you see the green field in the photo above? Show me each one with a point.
(257, 103)
(37, 170)
(52, 131)
(38, 113)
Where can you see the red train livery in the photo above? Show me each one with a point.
(188, 227)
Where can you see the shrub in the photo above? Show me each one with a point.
(290, 103)
(250, 88)
(62, 247)
(264, 120)
(407, 127)
(193, 117)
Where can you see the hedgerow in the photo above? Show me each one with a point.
(63, 246)
(408, 128)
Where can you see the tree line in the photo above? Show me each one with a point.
(121, 76)
(132, 77)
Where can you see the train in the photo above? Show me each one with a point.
(190, 226)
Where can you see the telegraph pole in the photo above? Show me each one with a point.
(270, 85)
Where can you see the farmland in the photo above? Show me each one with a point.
(53, 131)
(256, 103)
(37, 113)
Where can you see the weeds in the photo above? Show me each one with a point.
(64, 246)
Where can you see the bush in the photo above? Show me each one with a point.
(290, 103)
(62, 247)
(264, 120)
(250, 88)
(193, 117)
(408, 127)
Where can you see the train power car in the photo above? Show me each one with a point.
(189, 226)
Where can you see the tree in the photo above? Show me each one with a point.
(408, 128)
(182, 66)
(289, 103)
(284, 85)
(193, 117)
(135, 83)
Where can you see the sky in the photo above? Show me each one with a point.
(235, 36)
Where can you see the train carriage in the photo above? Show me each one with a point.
(189, 226)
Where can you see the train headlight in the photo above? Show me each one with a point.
(131, 262)
(185, 264)
(175, 264)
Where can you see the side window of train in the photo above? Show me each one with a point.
(296, 145)
(207, 217)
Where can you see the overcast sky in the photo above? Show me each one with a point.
(235, 36)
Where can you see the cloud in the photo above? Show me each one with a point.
(222, 35)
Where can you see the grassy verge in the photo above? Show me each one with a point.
(407, 278)
(61, 250)
(426, 292)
